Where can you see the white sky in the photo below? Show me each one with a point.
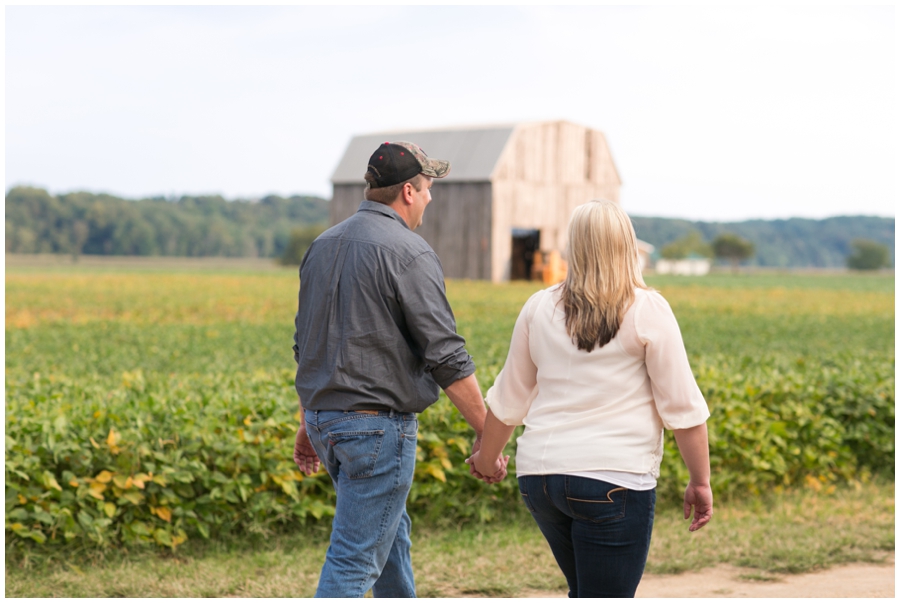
(712, 113)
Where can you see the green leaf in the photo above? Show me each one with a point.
(183, 476)
(85, 520)
(133, 497)
(44, 517)
(162, 537)
(204, 531)
(49, 481)
(139, 527)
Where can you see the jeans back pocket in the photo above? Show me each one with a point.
(356, 451)
(523, 492)
(594, 500)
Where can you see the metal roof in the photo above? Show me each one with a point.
(473, 153)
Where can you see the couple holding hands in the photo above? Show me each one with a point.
(596, 370)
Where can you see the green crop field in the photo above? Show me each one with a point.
(148, 405)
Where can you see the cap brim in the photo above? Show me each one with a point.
(436, 168)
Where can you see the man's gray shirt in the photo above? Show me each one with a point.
(374, 329)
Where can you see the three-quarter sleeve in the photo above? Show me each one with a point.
(516, 386)
(679, 402)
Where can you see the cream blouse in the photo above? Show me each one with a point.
(596, 411)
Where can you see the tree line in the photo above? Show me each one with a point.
(191, 226)
(853, 241)
(101, 224)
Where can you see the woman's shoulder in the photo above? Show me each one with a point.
(549, 293)
(542, 304)
(650, 302)
(650, 296)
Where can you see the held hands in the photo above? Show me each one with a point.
(700, 498)
(488, 472)
(304, 454)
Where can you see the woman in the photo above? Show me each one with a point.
(596, 370)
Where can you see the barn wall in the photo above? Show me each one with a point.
(457, 224)
(345, 201)
(546, 171)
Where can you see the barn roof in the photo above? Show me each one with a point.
(473, 152)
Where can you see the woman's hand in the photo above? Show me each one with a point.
(490, 473)
(701, 499)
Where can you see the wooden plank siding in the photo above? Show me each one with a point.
(457, 224)
(345, 201)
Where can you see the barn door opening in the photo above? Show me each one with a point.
(525, 243)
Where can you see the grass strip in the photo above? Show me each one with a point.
(792, 532)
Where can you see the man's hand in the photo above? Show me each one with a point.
(475, 448)
(304, 454)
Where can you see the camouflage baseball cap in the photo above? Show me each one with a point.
(396, 162)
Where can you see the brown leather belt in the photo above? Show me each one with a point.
(368, 412)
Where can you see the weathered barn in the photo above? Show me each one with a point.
(510, 191)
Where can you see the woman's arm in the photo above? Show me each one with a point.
(693, 443)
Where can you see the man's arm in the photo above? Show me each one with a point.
(466, 397)
(432, 326)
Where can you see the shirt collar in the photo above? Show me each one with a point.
(381, 208)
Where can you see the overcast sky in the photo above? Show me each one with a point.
(711, 113)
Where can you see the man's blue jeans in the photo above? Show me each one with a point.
(371, 459)
(598, 532)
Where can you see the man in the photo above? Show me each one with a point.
(375, 339)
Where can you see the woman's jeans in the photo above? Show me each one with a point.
(370, 458)
(598, 532)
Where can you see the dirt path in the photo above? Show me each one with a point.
(854, 580)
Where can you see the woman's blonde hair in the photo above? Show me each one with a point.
(604, 271)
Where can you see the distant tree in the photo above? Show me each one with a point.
(692, 243)
(80, 232)
(868, 255)
(729, 246)
(300, 240)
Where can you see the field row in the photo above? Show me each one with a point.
(120, 429)
(157, 458)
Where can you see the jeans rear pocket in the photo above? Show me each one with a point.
(595, 500)
(356, 451)
(523, 492)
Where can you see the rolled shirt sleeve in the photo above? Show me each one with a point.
(679, 402)
(516, 386)
(430, 322)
